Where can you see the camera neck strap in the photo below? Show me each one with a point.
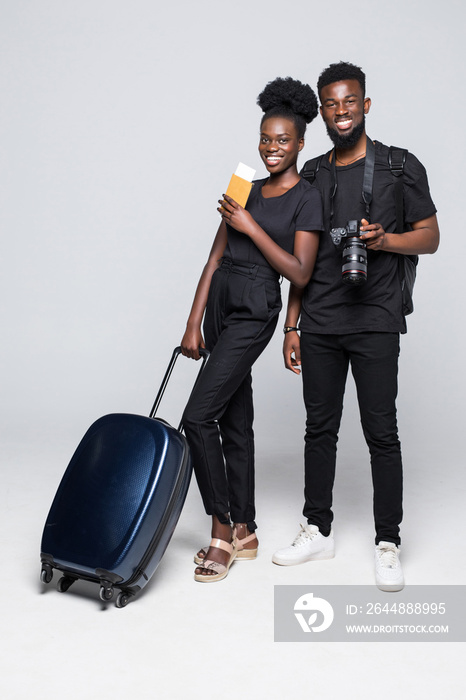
(367, 183)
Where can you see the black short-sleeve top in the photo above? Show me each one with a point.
(298, 209)
(329, 306)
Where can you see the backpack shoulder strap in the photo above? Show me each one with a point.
(311, 168)
(396, 161)
(406, 263)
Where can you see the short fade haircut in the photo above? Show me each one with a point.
(341, 71)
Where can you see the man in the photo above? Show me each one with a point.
(357, 324)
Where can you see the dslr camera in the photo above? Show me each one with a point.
(354, 252)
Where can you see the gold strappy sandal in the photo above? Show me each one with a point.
(221, 570)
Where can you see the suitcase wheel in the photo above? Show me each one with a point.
(122, 599)
(64, 583)
(46, 573)
(106, 591)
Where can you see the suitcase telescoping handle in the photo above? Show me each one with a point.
(176, 352)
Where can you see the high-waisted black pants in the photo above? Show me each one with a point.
(374, 364)
(241, 315)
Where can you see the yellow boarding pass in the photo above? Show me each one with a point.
(241, 184)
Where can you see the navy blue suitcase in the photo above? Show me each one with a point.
(118, 503)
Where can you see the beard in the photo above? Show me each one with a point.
(350, 140)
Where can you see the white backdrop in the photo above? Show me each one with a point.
(120, 125)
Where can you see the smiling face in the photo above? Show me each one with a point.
(279, 144)
(343, 110)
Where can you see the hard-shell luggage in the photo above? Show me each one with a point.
(118, 503)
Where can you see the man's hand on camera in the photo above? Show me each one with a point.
(292, 352)
(374, 235)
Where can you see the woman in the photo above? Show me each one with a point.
(276, 234)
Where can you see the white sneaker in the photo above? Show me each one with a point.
(388, 571)
(309, 545)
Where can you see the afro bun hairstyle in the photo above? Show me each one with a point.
(341, 71)
(285, 97)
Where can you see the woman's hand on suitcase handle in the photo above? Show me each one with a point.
(234, 215)
(191, 342)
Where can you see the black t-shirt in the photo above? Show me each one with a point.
(298, 209)
(329, 306)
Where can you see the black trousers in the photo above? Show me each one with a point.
(241, 316)
(374, 364)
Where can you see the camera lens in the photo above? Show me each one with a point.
(354, 268)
